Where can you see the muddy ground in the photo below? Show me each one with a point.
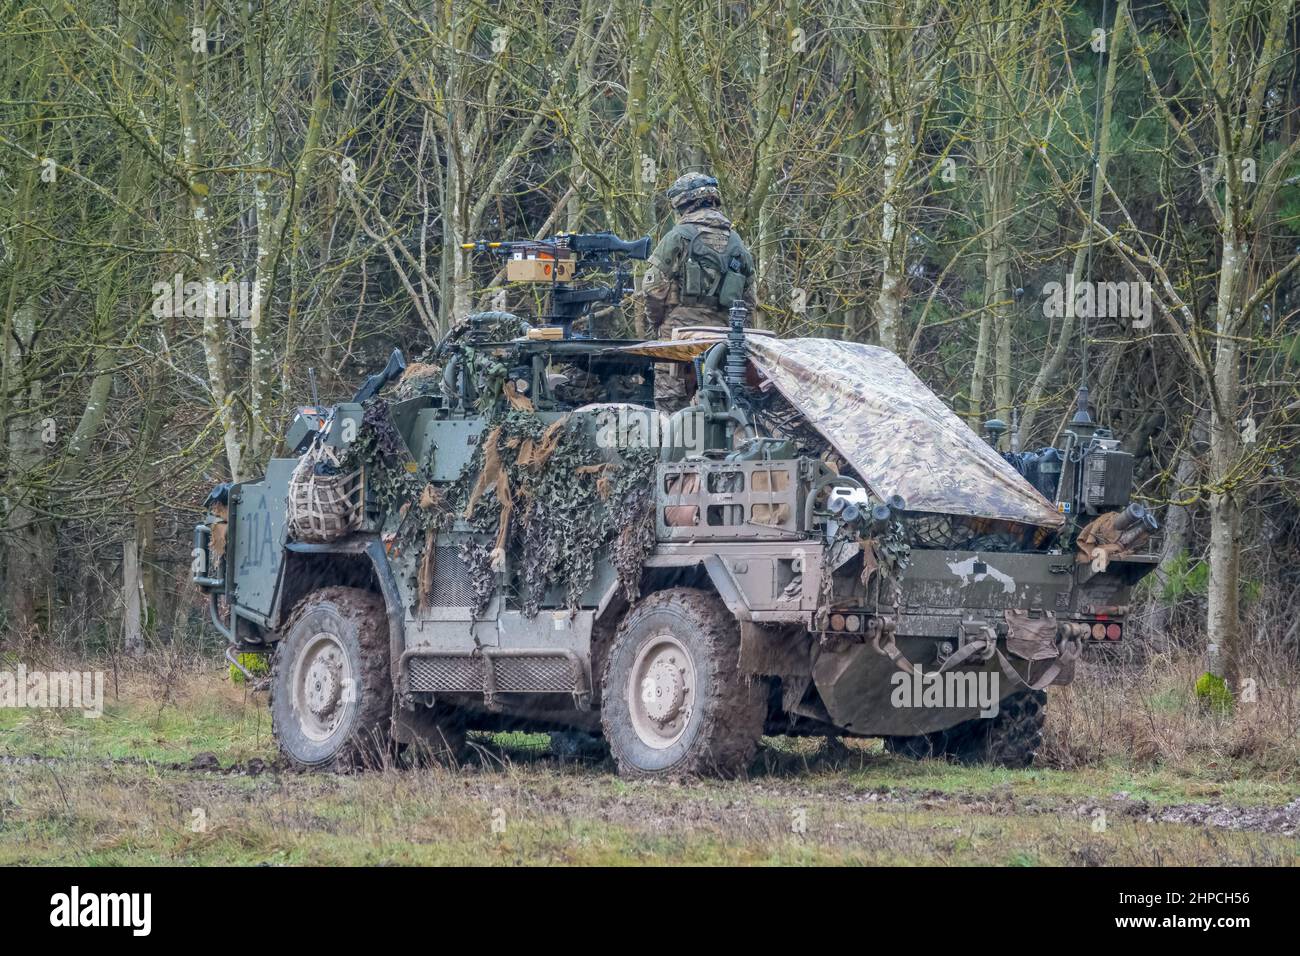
(193, 778)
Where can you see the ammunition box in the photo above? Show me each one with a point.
(539, 270)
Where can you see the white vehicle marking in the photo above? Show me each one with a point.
(966, 571)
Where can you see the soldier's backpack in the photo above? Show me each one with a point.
(714, 278)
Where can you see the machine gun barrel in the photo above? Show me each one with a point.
(607, 242)
(582, 245)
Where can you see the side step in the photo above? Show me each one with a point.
(493, 671)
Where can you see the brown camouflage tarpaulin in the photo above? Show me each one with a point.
(896, 433)
(672, 350)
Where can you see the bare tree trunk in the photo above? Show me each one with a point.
(28, 539)
(1177, 533)
(29, 567)
(893, 284)
(133, 610)
(1001, 59)
(997, 301)
(647, 28)
(1224, 613)
(205, 252)
(979, 369)
(261, 360)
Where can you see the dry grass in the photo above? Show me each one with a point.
(549, 814)
(1128, 739)
(1147, 714)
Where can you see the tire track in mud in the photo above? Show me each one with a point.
(1271, 819)
(201, 763)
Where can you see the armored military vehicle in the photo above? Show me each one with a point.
(509, 535)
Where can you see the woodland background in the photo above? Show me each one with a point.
(911, 173)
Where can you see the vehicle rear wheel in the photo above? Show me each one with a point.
(673, 700)
(331, 690)
(1011, 738)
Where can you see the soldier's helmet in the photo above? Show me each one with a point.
(694, 189)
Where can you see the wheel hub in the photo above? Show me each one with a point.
(661, 691)
(321, 681)
(324, 689)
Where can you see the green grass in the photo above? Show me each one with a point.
(802, 803)
(225, 720)
(134, 814)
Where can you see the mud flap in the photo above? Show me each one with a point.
(775, 651)
(782, 652)
(856, 683)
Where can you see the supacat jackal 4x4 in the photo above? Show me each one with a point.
(513, 537)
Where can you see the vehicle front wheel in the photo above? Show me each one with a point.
(674, 701)
(331, 690)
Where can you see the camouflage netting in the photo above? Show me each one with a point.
(547, 500)
(420, 378)
(396, 489)
(551, 502)
(954, 532)
(380, 448)
(886, 555)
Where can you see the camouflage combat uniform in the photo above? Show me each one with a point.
(668, 303)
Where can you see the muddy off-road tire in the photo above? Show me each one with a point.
(673, 701)
(331, 690)
(1012, 738)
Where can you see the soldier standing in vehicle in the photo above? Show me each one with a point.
(695, 273)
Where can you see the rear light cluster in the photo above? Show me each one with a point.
(1103, 631)
(846, 622)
